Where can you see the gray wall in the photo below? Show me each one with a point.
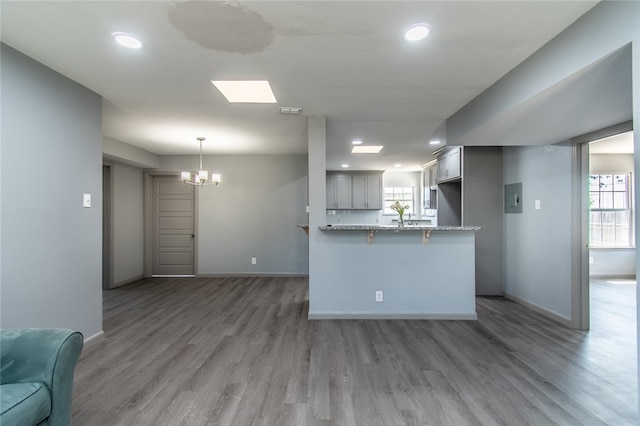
(128, 223)
(317, 166)
(254, 212)
(51, 155)
(124, 153)
(617, 262)
(482, 205)
(537, 243)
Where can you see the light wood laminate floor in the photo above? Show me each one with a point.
(240, 351)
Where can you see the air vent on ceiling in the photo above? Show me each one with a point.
(290, 110)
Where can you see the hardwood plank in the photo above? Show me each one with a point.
(241, 351)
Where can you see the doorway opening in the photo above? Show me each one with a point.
(605, 228)
(604, 288)
(612, 251)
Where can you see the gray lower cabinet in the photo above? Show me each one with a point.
(338, 192)
(367, 192)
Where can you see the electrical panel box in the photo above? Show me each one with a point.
(513, 198)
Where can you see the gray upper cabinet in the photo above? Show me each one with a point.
(374, 192)
(430, 187)
(449, 165)
(357, 190)
(433, 176)
(338, 192)
(367, 192)
(449, 194)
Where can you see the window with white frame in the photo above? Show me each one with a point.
(610, 216)
(402, 194)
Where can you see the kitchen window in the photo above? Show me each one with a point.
(610, 215)
(402, 194)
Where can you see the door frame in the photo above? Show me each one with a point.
(148, 221)
(580, 306)
(107, 225)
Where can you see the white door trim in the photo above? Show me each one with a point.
(580, 313)
(107, 224)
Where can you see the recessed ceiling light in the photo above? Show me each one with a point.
(434, 142)
(397, 165)
(345, 166)
(252, 91)
(127, 40)
(356, 142)
(366, 149)
(417, 32)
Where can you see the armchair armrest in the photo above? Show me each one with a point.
(43, 355)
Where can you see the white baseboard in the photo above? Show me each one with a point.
(393, 316)
(618, 276)
(127, 281)
(541, 310)
(93, 340)
(250, 275)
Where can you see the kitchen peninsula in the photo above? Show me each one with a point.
(419, 272)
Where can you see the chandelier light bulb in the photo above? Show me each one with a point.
(201, 176)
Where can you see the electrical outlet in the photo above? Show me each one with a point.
(253, 261)
(379, 297)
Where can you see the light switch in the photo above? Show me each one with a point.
(537, 204)
(86, 200)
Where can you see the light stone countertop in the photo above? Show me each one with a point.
(372, 229)
(395, 228)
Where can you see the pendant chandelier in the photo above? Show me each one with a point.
(200, 177)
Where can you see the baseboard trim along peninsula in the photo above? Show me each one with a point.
(391, 316)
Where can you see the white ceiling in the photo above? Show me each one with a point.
(345, 60)
(618, 144)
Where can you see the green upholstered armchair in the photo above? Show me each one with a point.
(36, 376)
